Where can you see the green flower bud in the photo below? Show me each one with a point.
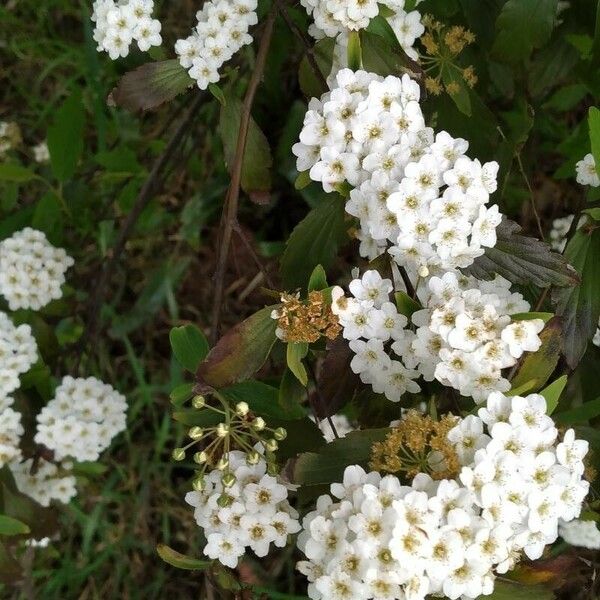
(253, 458)
(200, 457)
(280, 434)
(196, 433)
(223, 463)
(198, 483)
(224, 500)
(178, 454)
(271, 445)
(241, 409)
(199, 402)
(258, 424)
(222, 430)
(228, 480)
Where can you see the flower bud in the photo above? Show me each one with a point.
(228, 480)
(271, 445)
(223, 463)
(242, 409)
(253, 458)
(178, 454)
(199, 402)
(196, 433)
(258, 424)
(198, 483)
(272, 469)
(200, 457)
(222, 430)
(280, 434)
(224, 500)
(423, 271)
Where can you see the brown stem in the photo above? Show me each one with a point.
(149, 189)
(308, 46)
(230, 206)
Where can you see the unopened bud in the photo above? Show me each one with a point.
(242, 409)
(223, 463)
(199, 402)
(253, 458)
(228, 480)
(178, 454)
(272, 469)
(258, 424)
(271, 445)
(222, 430)
(423, 271)
(196, 433)
(198, 484)
(280, 434)
(224, 500)
(200, 457)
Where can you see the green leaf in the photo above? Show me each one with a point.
(217, 92)
(580, 306)
(181, 561)
(537, 367)
(302, 180)
(406, 305)
(48, 217)
(383, 58)
(530, 316)
(454, 81)
(328, 465)
(10, 526)
(594, 213)
(594, 125)
(189, 346)
(354, 51)
(291, 394)
(314, 241)
(262, 399)
(240, 353)
(256, 166)
(552, 393)
(581, 414)
(508, 590)
(151, 85)
(65, 137)
(318, 279)
(295, 354)
(311, 85)
(523, 260)
(16, 173)
(523, 25)
(181, 394)
(380, 26)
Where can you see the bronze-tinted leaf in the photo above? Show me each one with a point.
(240, 353)
(150, 85)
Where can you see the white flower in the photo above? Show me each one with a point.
(587, 171)
(523, 336)
(584, 534)
(41, 153)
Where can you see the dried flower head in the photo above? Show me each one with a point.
(418, 444)
(305, 320)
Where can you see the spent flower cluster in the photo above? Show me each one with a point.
(119, 23)
(376, 538)
(222, 29)
(32, 271)
(256, 515)
(464, 338)
(416, 195)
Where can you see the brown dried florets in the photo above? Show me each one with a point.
(306, 320)
(418, 444)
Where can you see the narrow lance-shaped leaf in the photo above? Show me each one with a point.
(240, 353)
(150, 85)
(580, 306)
(181, 561)
(523, 260)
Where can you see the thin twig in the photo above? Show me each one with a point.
(146, 194)
(410, 290)
(254, 256)
(531, 196)
(230, 207)
(308, 46)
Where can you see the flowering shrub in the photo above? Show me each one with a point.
(371, 233)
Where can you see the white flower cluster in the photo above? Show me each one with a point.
(335, 19)
(417, 192)
(120, 22)
(41, 153)
(11, 431)
(221, 31)
(464, 338)
(258, 516)
(82, 419)
(558, 241)
(584, 534)
(379, 539)
(32, 270)
(587, 173)
(44, 482)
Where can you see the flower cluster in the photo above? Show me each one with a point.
(584, 534)
(221, 31)
(44, 481)
(336, 19)
(41, 153)
(121, 22)
(18, 353)
(306, 321)
(32, 270)
(464, 337)
(376, 538)
(587, 172)
(255, 515)
(418, 194)
(82, 418)
(11, 431)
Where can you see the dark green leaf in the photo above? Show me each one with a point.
(523, 25)
(189, 346)
(181, 561)
(406, 305)
(182, 393)
(382, 58)
(580, 306)
(150, 85)
(240, 353)
(508, 590)
(10, 526)
(291, 394)
(318, 279)
(256, 167)
(380, 26)
(310, 83)
(522, 259)
(457, 89)
(262, 399)
(15, 173)
(581, 414)
(65, 137)
(48, 217)
(314, 241)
